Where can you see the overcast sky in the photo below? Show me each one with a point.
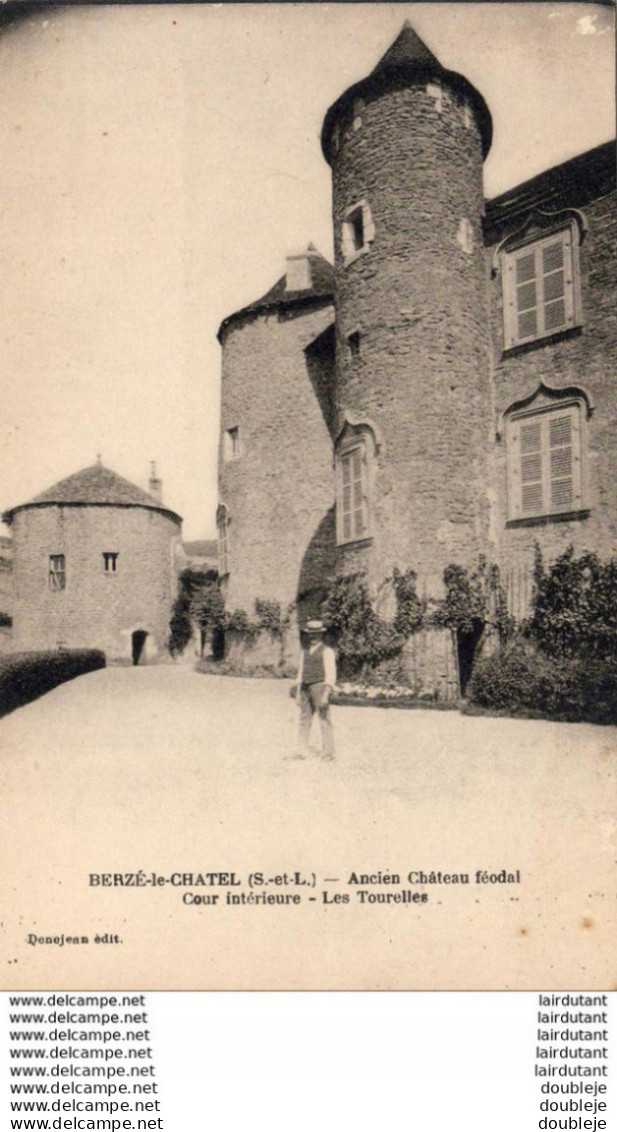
(159, 162)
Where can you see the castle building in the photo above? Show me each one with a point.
(94, 567)
(444, 392)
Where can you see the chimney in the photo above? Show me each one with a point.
(299, 276)
(155, 485)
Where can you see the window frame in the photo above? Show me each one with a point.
(350, 249)
(549, 480)
(57, 572)
(110, 561)
(355, 443)
(568, 235)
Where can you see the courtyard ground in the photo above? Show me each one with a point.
(166, 771)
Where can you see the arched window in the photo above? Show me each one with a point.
(354, 459)
(546, 449)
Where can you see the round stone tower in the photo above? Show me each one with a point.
(406, 146)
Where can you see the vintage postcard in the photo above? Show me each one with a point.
(308, 487)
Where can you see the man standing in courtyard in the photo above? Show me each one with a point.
(316, 680)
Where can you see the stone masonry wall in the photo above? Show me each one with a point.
(418, 298)
(279, 490)
(97, 609)
(587, 358)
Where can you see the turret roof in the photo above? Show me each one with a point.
(407, 49)
(408, 60)
(95, 485)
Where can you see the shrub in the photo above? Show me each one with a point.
(575, 606)
(269, 616)
(180, 625)
(410, 609)
(522, 681)
(363, 639)
(239, 621)
(26, 676)
(198, 601)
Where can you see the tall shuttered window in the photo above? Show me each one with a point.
(352, 501)
(540, 288)
(545, 454)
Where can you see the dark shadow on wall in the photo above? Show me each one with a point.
(317, 569)
(319, 356)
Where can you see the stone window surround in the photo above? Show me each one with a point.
(349, 250)
(232, 449)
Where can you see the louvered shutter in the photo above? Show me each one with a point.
(345, 497)
(564, 460)
(544, 461)
(352, 499)
(538, 289)
(532, 491)
(526, 296)
(358, 501)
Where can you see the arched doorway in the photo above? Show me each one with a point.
(138, 640)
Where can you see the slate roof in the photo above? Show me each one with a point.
(95, 486)
(406, 61)
(407, 49)
(583, 178)
(278, 298)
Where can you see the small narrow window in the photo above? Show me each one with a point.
(231, 443)
(57, 572)
(110, 561)
(357, 231)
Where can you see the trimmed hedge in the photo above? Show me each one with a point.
(26, 676)
(519, 681)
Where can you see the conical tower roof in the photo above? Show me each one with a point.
(407, 49)
(94, 486)
(407, 61)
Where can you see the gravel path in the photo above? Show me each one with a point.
(165, 770)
